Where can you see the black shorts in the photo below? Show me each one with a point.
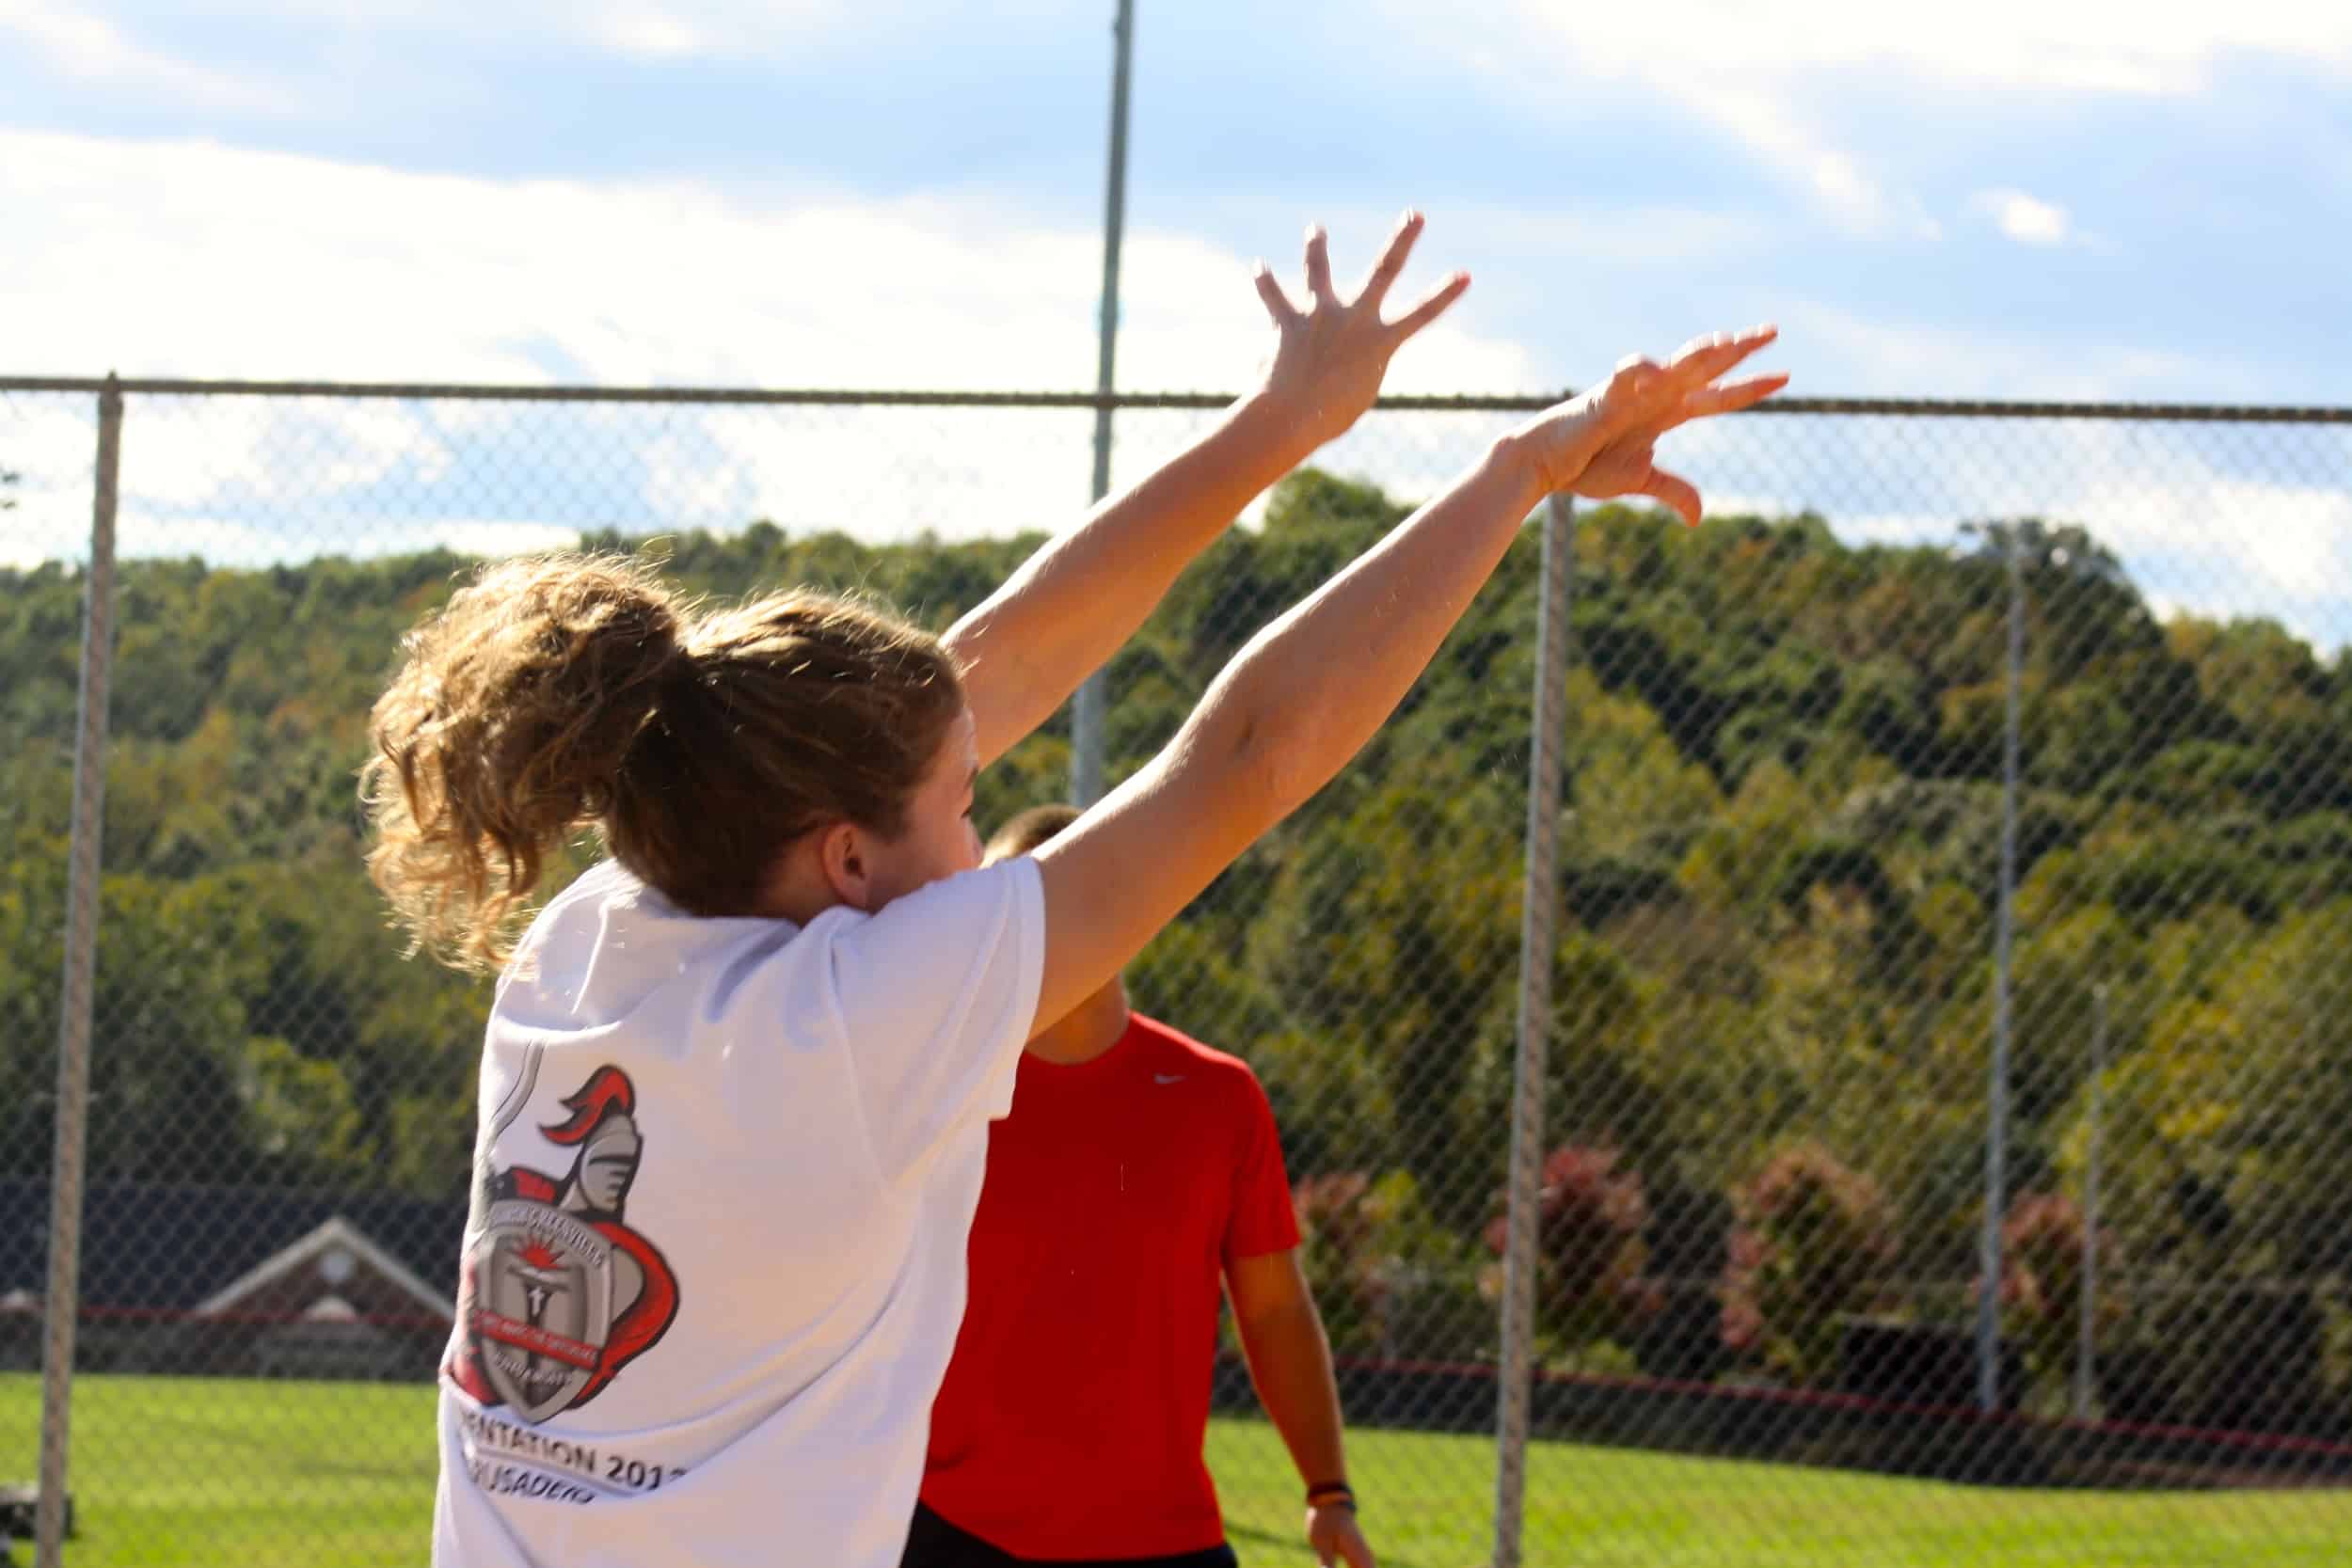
(934, 1543)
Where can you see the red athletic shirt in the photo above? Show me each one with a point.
(1071, 1419)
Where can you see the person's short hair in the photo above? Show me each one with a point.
(1028, 830)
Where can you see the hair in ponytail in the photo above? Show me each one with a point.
(559, 693)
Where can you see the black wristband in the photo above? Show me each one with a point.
(1326, 1492)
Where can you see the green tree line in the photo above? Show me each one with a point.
(1773, 987)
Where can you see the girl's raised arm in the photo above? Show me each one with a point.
(1025, 650)
(1310, 689)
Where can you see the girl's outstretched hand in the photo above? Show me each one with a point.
(1601, 443)
(1330, 355)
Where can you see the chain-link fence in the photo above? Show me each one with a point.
(1977, 778)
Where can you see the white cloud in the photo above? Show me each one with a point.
(2223, 545)
(1760, 72)
(1894, 357)
(49, 443)
(641, 29)
(1840, 183)
(1695, 49)
(85, 47)
(1775, 129)
(2217, 579)
(238, 542)
(646, 31)
(2026, 219)
(190, 258)
(194, 258)
(2204, 517)
(2081, 46)
(1646, 236)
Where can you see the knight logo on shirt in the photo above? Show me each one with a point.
(559, 1293)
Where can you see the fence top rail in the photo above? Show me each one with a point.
(1989, 408)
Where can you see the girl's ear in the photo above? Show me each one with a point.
(848, 864)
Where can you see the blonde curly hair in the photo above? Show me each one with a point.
(557, 693)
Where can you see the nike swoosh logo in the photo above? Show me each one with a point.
(1168, 1078)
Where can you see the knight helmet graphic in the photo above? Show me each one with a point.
(559, 1293)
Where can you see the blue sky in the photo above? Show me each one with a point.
(2056, 198)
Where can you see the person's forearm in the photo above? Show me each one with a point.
(1312, 688)
(1076, 602)
(1289, 1361)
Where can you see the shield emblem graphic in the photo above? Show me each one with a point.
(543, 1308)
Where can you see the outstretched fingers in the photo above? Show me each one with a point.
(1731, 398)
(1433, 304)
(1391, 262)
(1674, 491)
(1319, 266)
(1277, 304)
(1365, 307)
(1703, 359)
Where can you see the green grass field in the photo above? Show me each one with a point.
(188, 1472)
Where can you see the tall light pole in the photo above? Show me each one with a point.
(1996, 1097)
(1092, 705)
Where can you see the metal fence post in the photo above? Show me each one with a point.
(1555, 598)
(2086, 1354)
(1996, 1130)
(1090, 710)
(62, 1303)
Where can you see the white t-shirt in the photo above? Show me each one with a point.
(715, 1264)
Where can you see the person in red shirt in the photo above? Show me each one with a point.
(1136, 1167)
